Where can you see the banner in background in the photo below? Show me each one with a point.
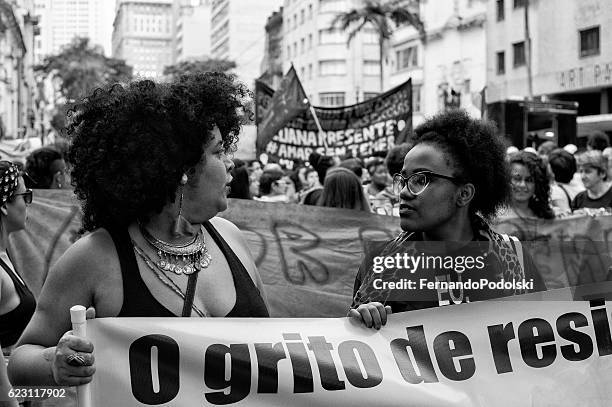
(485, 354)
(308, 256)
(362, 129)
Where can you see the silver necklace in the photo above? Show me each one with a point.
(194, 255)
(165, 279)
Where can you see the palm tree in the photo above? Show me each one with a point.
(384, 16)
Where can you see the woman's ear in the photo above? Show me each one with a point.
(466, 194)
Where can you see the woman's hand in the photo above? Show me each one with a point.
(372, 314)
(73, 360)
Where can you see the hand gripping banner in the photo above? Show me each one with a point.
(502, 354)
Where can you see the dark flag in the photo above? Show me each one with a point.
(287, 102)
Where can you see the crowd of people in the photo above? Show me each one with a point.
(151, 164)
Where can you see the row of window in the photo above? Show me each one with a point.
(589, 45)
(332, 99)
(329, 36)
(292, 23)
(500, 8)
(332, 67)
(153, 24)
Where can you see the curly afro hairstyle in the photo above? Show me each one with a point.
(477, 154)
(539, 202)
(130, 144)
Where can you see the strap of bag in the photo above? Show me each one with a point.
(569, 200)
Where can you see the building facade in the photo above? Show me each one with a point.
(448, 70)
(19, 28)
(192, 35)
(237, 34)
(62, 20)
(272, 63)
(143, 35)
(333, 71)
(571, 55)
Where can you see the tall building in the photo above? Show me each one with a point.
(237, 34)
(143, 35)
(272, 63)
(448, 69)
(62, 20)
(17, 85)
(571, 59)
(332, 72)
(192, 33)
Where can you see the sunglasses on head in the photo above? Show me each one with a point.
(27, 196)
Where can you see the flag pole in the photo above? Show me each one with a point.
(316, 119)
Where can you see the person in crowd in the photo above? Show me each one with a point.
(530, 150)
(570, 148)
(321, 163)
(273, 187)
(454, 180)
(379, 191)
(353, 164)
(511, 151)
(607, 153)
(46, 169)
(17, 302)
(239, 186)
(151, 165)
(598, 140)
(530, 187)
(564, 189)
(342, 189)
(545, 148)
(255, 171)
(593, 171)
(299, 178)
(311, 194)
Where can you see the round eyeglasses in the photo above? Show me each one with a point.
(417, 182)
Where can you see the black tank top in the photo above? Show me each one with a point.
(14, 322)
(139, 302)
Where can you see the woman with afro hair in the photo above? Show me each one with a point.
(151, 165)
(454, 180)
(530, 187)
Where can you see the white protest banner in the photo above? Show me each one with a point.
(553, 353)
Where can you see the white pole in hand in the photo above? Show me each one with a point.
(79, 328)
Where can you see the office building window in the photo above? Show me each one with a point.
(371, 67)
(302, 73)
(501, 63)
(500, 10)
(332, 36)
(302, 16)
(407, 58)
(370, 36)
(331, 99)
(309, 71)
(332, 67)
(288, 51)
(518, 49)
(589, 42)
(302, 45)
(519, 3)
(309, 41)
(309, 11)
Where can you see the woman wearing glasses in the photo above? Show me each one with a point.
(17, 303)
(454, 180)
(151, 164)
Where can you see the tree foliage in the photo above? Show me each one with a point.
(82, 67)
(199, 65)
(384, 16)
